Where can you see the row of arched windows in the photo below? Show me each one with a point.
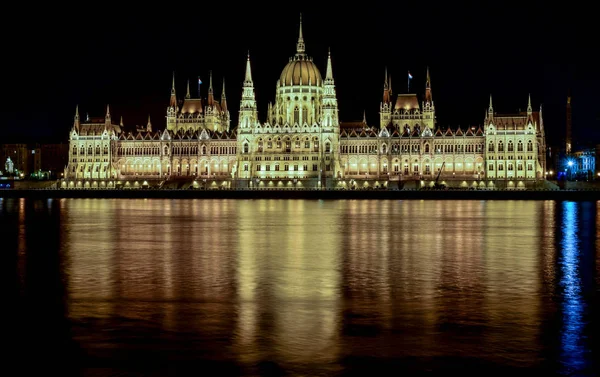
(510, 147)
(90, 150)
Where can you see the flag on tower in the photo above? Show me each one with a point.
(199, 81)
(409, 76)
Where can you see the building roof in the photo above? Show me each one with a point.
(407, 102)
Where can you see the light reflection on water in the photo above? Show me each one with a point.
(266, 286)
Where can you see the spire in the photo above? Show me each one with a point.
(386, 88)
(300, 45)
(248, 80)
(121, 122)
(149, 125)
(329, 75)
(173, 100)
(385, 80)
(211, 97)
(529, 108)
(223, 98)
(491, 108)
(107, 121)
(390, 85)
(428, 97)
(187, 95)
(365, 116)
(76, 122)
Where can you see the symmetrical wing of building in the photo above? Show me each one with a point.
(303, 144)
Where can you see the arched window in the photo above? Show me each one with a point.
(529, 146)
(491, 147)
(426, 148)
(520, 146)
(74, 150)
(203, 150)
(260, 145)
(304, 115)
(97, 149)
(384, 149)
(327, 147)
(511, 147)
(106, 149)
(245, 147)
(500, 147)
(296, 115)
(90, 149)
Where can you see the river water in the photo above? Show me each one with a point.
(153, 287)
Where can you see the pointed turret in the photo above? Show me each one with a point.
(211, 97)
(248, 79)
(223, 98)
(386, 88)
(365, 117)
(529, 108)
(248, 112)
(428, 97)
(107, 121)
(300, 48)
(329, 75)
(489, 116)
(390, 86)
(149, 125)
(187, 95)
(173, 100)
(429, 108)
(76, 122)
(121, 121)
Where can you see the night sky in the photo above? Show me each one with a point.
(125, 57)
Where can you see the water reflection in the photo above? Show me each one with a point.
(264, 287)
(575, 261)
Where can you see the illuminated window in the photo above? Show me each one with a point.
(500, 147)
(529, 146)
(520, 146)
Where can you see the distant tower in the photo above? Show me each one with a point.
(428, 107)
(385, 107)
(568, 140)
(173, 108)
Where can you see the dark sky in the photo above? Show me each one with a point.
(106, 54)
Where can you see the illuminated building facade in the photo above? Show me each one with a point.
(303, 144)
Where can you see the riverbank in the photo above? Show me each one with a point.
(584, 195)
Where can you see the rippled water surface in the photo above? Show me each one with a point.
(299, 287)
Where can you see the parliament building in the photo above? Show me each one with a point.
(302, 144)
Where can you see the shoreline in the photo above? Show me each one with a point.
(571, 195)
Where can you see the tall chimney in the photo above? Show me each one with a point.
(568, 141)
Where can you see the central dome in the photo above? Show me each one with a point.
(300, 71)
